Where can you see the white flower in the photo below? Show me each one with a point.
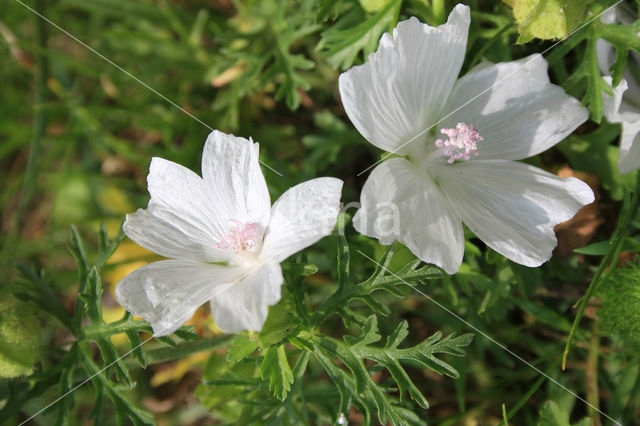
(462, 169)
(616, 110)
(624, 110)
(225, 237)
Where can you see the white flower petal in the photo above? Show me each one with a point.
(168, 234)
(629, 143)
(180, 219)
(166, 293)
(611, 104)
(513, 207)
(231, 172)
(302, 216)
(630, 120)
(401, 89)
(245, 306)
(606, 55)
(402, 203)
(515, 108)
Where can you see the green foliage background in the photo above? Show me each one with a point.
(348, 337)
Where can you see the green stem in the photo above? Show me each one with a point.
(526, 397)
(629, 209)
(92, 331)
(438, 11)
(592, 376)
(165, 354)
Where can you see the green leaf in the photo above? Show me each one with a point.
(241, 347)
(328, 9)
(105, 247)
(544, 315)
(372, 6)
(353, 351)
(547, 19)
(552, 415)
(382, 279)
(340, 45)
(299, 269)
(601, 248)
(19, 337)
(280, 323)
(276, 369)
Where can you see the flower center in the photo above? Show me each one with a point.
(241, 238)
(461, 142)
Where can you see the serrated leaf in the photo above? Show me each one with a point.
(352, 352)
(276, 369)
(369, 333)
(92, 297)
(399, 334)
(341, 46)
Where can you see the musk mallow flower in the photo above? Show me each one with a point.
(456, 143)
(223, 237)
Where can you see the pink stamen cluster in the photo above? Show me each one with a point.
(462, 142)
(241, 238)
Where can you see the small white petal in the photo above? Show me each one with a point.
(630, 137)
(166, 293)
(400, 91)
(515, 108)
(402, 203)
(629, 143)
(606, 55)
(513, 207)
(245, 306)
(302, 216)
(611, 104)
(231, 172)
